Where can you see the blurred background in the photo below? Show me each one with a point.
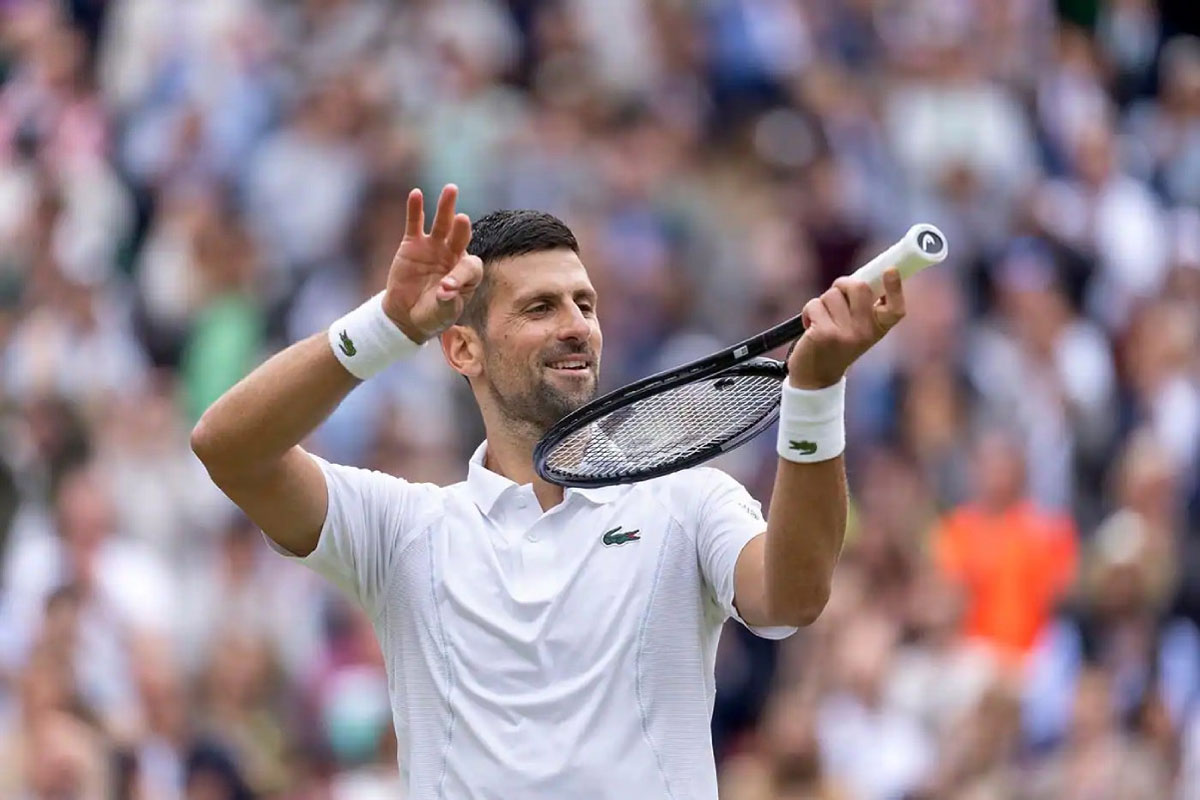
(187, 186)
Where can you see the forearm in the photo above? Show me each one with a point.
(807, 523)
(273, 408)
(805, 531)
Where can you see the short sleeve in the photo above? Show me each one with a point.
(370, 515)
(727, 519)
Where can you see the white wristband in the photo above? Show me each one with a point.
(812, 423)
(366, 340)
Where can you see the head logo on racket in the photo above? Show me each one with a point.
(929, 242)
(616, 536)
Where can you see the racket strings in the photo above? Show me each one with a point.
(666, 428)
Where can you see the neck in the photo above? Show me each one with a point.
(510, 453)
(999, 505)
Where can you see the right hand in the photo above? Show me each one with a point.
(431, 278)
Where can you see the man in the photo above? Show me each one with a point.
(540, 643)
(1013, 560)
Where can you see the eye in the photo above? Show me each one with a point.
(538, 309)
(586, 307)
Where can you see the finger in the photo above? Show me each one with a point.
(465, 276)
(839, 308)
(806, 313)
(444, 217)
(890, 308)
(858, 295)
(861, 301)
(414, 214)
(893, 292)
(445, 295)
(460, 236)
(818, 314)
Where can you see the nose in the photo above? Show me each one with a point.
(575, 325)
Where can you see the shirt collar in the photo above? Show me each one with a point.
(486, 486)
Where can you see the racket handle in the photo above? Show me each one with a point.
(922, 246)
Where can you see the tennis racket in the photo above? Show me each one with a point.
(687, 415)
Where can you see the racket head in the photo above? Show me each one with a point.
(625, 439)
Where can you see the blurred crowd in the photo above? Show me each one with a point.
(187, 186)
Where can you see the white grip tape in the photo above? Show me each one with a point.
(921, 247)
(812, 423)
(366, 340)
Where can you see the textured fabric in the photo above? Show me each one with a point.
(544, 655)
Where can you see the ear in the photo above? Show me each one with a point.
(463, 350)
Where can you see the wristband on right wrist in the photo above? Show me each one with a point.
(366, 340)
(812, 423)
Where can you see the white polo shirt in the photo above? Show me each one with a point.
(531, 655)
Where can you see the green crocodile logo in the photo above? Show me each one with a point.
(615, 536)
(347, 345)
(805, 448)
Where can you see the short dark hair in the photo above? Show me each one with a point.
(507, 234)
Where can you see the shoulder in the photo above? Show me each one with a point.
(372, 489)
(366, 479)
(965, 516)
(687, 493)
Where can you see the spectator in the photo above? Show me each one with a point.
(872, 747)
(980, 753)
(1013, 560)
(1123, 622)
(1040, 366)
(304, 184)
(120, 588)
(1168, 127)
(1099, 761)
(941, 677)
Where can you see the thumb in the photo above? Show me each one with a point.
(462, 279)
(889, 309)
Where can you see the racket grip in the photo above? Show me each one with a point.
(922, 246)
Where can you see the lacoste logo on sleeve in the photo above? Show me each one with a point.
(616, 536)
(347, 345)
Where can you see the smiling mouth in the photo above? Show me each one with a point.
(570, 365)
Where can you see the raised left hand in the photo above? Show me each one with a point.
(841, 325)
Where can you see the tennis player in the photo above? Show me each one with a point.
(540, 643)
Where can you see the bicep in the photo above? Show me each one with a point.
(750, 583)
(287, 500)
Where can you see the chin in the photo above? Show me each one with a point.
(558, 402)
(580, 395)
(563, 403)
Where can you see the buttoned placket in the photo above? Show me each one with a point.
(533, 533)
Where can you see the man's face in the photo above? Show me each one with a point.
(541, 340)
(999, 471)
